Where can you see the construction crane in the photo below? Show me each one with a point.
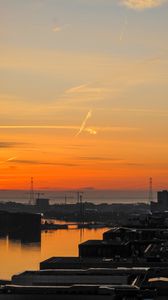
(31, 198)
(32, 194)
(150, 192)
(150, 189)
(65, 198)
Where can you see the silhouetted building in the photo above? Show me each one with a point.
(77, 292)
(129, 263)
(4, 222)
(42, 204)
(108, 249)
(22, 226)
(162, 201)
(75, 262)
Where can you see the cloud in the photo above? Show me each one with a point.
(8, 144)
(85, 89)
(118, 129)
(57, 29)
(89, 93)
(142, 111)
(37, 127)
(142, 4)
(66, 127)
(111, 161)
(36, 162)
(88, 89)
(8, 160)
(94, 158)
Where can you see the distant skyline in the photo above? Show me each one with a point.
(84, 94)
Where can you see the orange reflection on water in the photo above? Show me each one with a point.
(17, 257)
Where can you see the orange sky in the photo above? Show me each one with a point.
(83, 95)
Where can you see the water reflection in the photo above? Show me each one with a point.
(28, 238)
(17, 255)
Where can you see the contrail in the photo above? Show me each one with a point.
(36, 127)
(91, 131)
(8, 160)
(11, 158)
(123, 29)
(82, 127)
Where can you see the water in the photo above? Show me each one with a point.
(16, 257)
(95, 196)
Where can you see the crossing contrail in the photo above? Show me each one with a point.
(82, 127)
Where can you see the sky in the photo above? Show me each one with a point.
(83, 94)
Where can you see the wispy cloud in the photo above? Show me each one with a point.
(109, 160)
(86, 88)
(57, 29)
(95, 158)
(37, 127)
(36, 162)
(118, 129)
(63, 127)
(142, 4)
(8, 144)
(8, 160)
(142, 111)
(87, 93)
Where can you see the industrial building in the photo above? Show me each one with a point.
(127, 264)
(22, 226)
(42, 204)
(108, 249)
(162, 202)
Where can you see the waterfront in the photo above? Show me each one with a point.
(16, 256)
(94, 196)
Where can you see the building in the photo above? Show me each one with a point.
(162, 201)
(99, 276)
(102, 248)
(42, 204)
(127, 264)
(162, 197)
(22, 226)
(150, 260)
(76, 292)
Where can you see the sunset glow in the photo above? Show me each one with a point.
(84, 89)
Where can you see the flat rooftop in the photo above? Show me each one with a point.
(104, 242)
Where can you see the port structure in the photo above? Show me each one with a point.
(65, 198)
(32, 193)
(150, 190)
(81, 206)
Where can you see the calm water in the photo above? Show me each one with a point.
(16, 256)
(95, 196)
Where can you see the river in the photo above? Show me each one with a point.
(16, 256)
